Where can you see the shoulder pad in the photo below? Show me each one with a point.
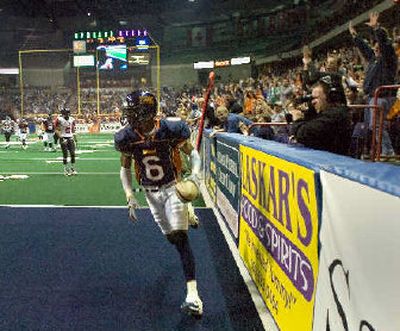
(177, 129)
(123, 138)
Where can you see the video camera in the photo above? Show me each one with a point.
(306, 98)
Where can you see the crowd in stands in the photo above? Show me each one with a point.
(272, 96)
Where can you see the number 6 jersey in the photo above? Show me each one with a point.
(157, 159)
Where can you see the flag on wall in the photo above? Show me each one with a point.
(198, 36)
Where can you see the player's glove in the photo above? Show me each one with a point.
(132, 206)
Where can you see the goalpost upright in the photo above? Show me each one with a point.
(152, 45)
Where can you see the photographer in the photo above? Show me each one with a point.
(326, 125)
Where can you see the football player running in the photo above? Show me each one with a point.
(65, 128)
(8, 128)
(153, 145)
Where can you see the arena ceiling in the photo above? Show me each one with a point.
(169, 11)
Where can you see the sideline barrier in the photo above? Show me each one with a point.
(303, 221)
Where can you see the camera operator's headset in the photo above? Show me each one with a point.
(332, 91)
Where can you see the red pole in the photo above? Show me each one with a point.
(211, 78)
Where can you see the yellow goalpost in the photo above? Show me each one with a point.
(23, 53)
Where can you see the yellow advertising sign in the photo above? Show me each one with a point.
(278, 238)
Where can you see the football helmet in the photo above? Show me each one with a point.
(139, 107)
(65, 112)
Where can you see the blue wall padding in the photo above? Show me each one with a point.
(383, 177)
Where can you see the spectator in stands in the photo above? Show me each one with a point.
(264, 132)
(381, 70)
(232, 123)
(329, 128)
(210, 119)
(233, 106)
(311, 75)
(194, 114)
(287, 92)
(281, 133)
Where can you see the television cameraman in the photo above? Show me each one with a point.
(326, 124)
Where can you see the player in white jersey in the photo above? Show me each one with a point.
(65, 128)
(8, 127)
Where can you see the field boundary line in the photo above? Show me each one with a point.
(82, 207)
(55, 173)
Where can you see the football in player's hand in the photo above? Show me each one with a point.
(187, 190)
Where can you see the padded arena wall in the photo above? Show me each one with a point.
(306, 224)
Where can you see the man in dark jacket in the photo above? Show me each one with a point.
(381, 70)
(329, 128)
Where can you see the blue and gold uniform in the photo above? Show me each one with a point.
(156, 156)
(154, 146)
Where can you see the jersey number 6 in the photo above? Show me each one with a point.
(154, 171)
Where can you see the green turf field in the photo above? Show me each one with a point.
(97, 182)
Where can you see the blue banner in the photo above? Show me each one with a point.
(228, 182)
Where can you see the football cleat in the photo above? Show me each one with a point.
(193, 308)
(73, 172)
(67, 172)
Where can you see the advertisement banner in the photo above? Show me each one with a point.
(110, 127)
(81, 128)
(228, 183)
(358, 282)
(278, 239)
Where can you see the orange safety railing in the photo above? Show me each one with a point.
(376, 144)
(378, 91)
(373, 138)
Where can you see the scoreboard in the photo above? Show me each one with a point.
(114, 50)
(110, 36)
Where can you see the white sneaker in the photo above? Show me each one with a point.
(193, 307)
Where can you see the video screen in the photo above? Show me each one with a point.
(83, 61)
(138, 58)
(112, 57)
